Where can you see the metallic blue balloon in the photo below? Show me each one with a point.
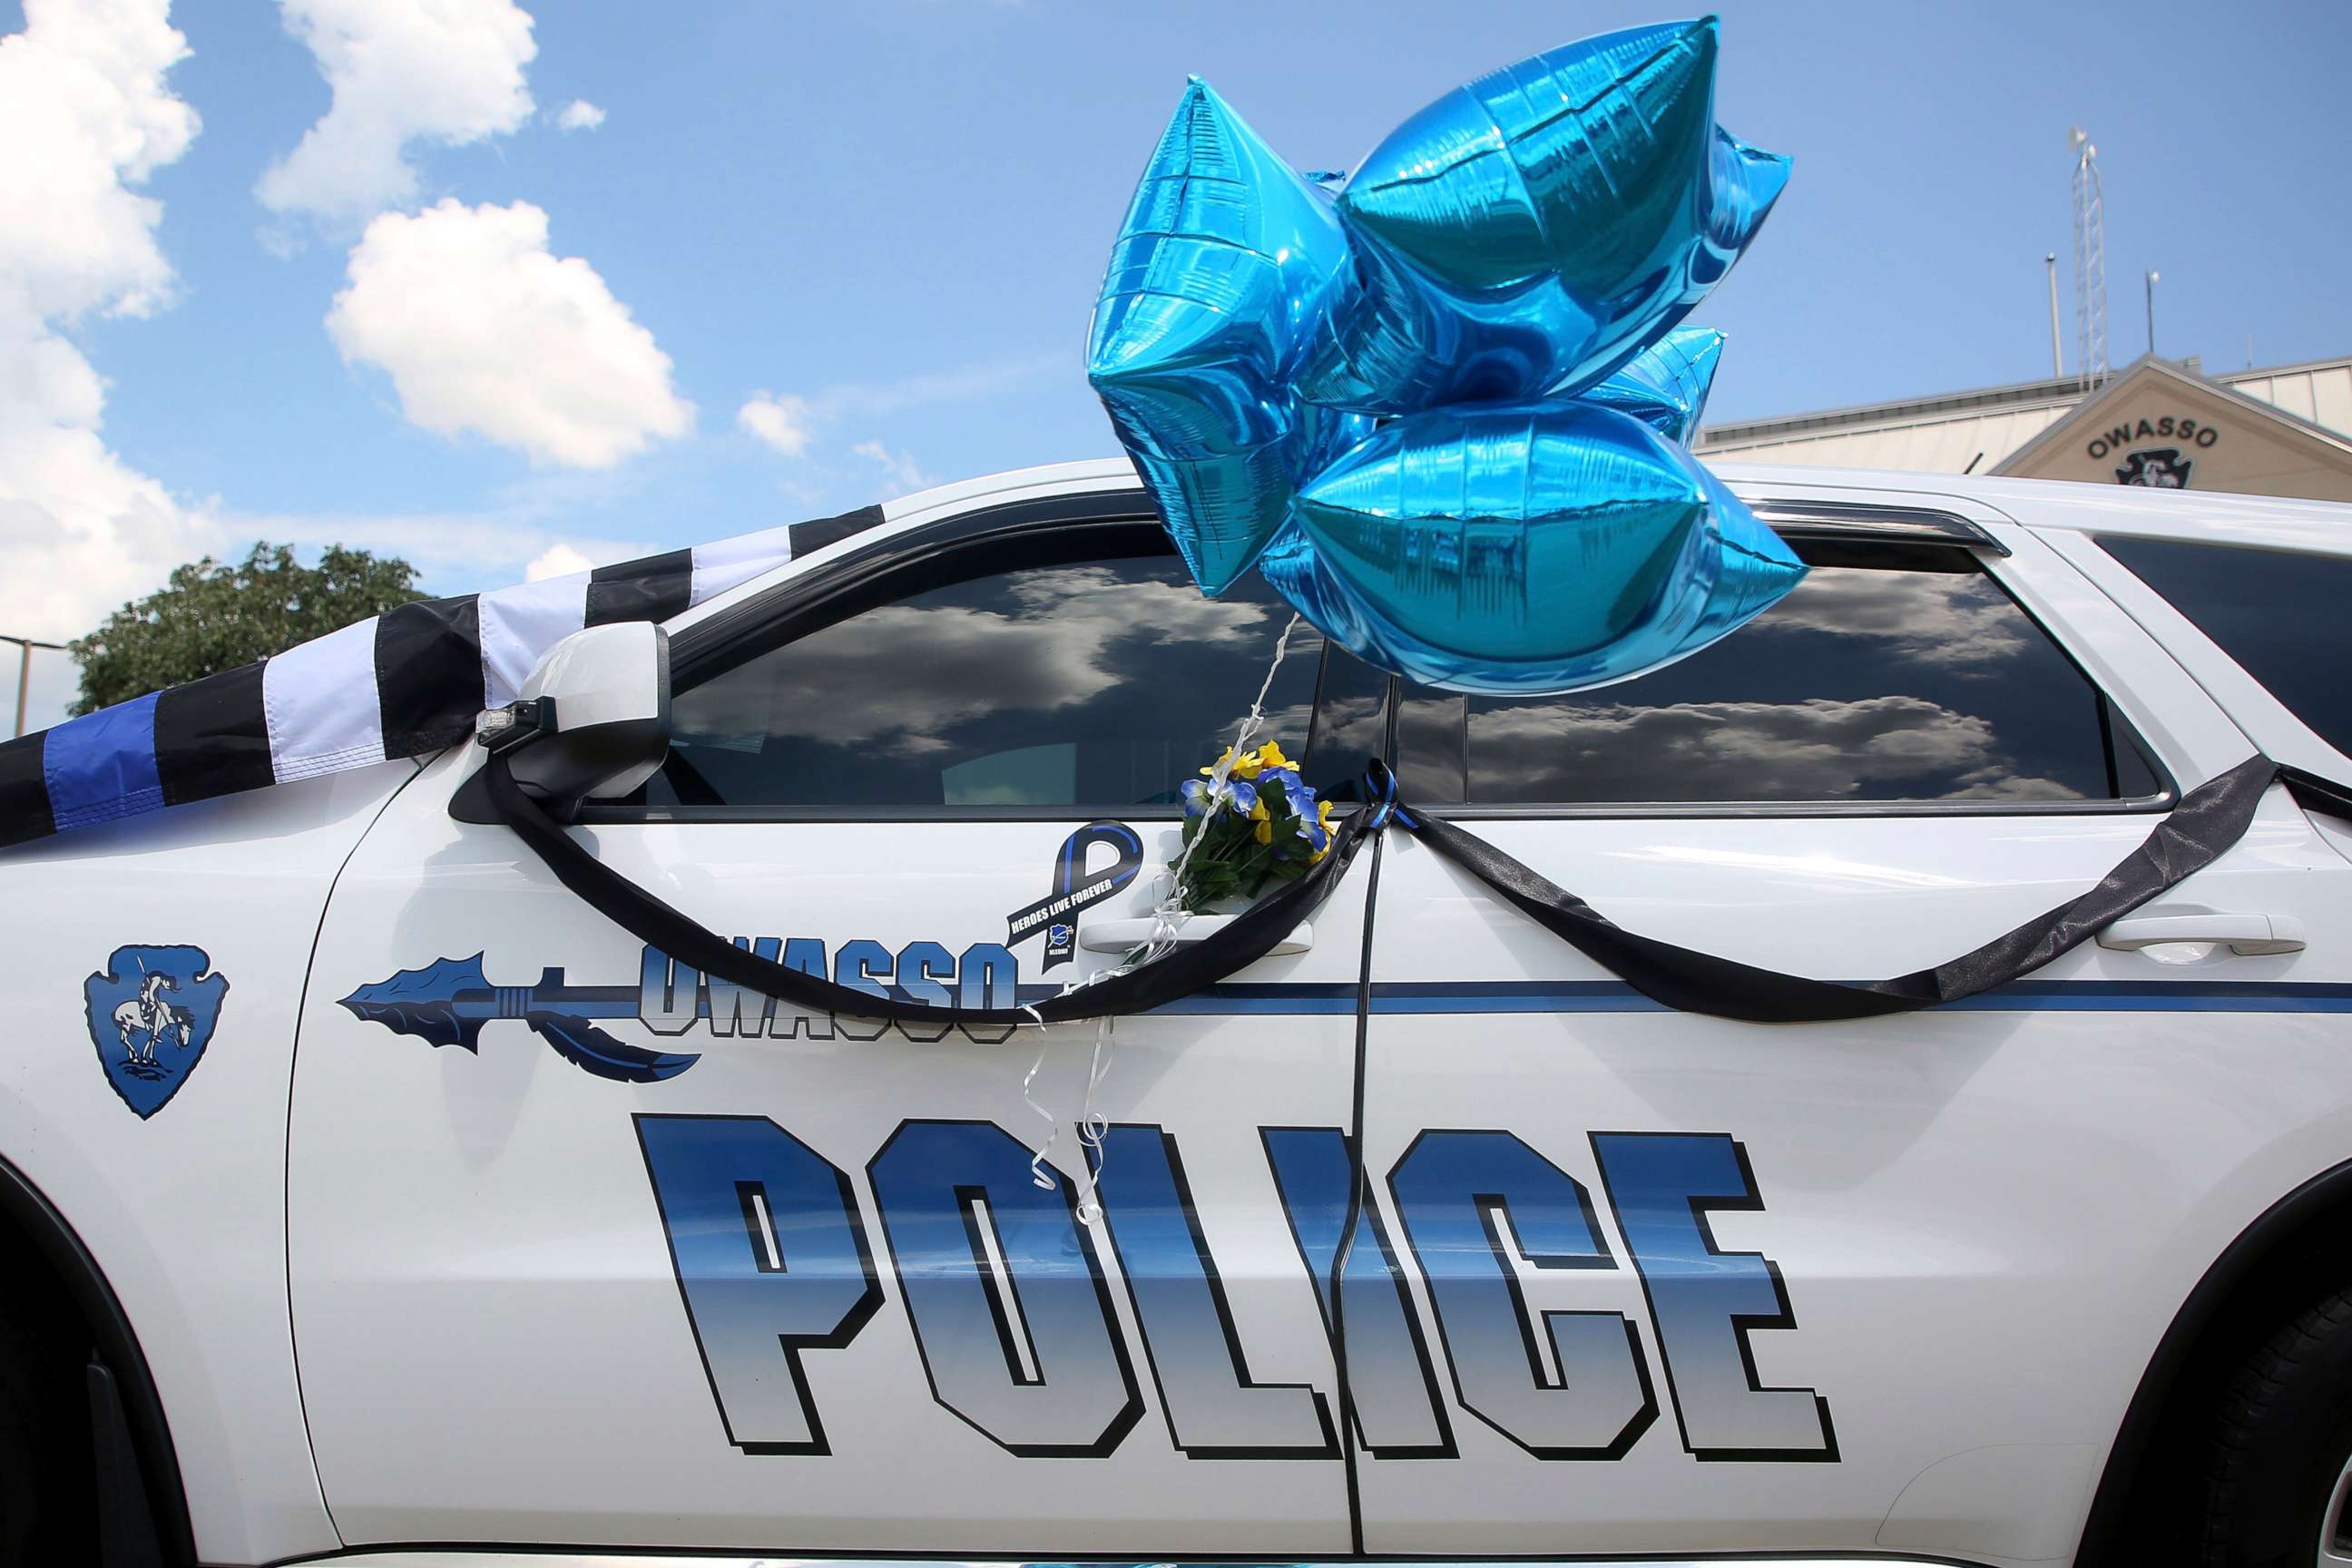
(1529, 233)
(1227, 262)
(1524, 548)
(1666, 385)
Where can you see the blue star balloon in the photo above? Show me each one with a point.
(1529, 233)
(1666, 385)
(1227, 262)
(1522, 548)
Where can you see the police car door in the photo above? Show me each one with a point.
(1696, 1284)
(587, 1247)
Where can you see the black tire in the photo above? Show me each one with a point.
(2282, 1438)
(47, 1511)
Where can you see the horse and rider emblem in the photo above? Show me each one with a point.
(2158, 469)
(151, 1013)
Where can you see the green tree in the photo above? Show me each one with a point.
(216, 614)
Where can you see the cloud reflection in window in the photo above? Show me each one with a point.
(1863, 685)
(1100, 685)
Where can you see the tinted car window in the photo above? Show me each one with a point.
(2281, 616)
(1097, 685)
(1863, 685)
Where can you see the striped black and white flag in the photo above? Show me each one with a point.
(401, 684)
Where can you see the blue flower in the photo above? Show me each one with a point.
(1238, 792)
(1293, 788)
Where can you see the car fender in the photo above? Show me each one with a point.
(172, 1177)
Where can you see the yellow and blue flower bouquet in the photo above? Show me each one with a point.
(1249, 820)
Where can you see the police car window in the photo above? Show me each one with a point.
(1863, 684)
(1094, 685)
(2280, 616)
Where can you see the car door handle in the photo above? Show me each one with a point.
(1125, 936)
(2245, 934)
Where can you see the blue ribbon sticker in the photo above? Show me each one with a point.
(1075, 887)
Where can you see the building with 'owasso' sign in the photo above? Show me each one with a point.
(2285, 431)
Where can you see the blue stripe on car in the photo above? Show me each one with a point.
(1616, 996)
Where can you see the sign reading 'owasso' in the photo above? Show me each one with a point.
(2169, 427)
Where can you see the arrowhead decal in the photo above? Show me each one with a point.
(448, 1002)
(424, 1002)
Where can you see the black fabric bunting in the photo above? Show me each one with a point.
(2208, 821)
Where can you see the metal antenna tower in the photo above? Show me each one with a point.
(2090, 263)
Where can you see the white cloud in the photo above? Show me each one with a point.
(579, 115)
(83, 100)
(483, 329)
(558, 560)
(83, 104)
(449, 71)
(780, 420)
(897, 468)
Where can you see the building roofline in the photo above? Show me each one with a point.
(2087, 412)
(2256, 372)
(2048, 391)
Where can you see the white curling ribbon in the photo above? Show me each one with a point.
(1167, 916)
(1037, 1172)
(1093, 1126)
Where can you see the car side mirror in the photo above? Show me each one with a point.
(592, 723)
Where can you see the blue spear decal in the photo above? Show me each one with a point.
(448, 1002)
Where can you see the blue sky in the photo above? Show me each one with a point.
(892, 217)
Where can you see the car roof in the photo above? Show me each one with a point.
(2268, 522)
(2065, 505)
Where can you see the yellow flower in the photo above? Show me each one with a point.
(1258, 812)
(1270, 756)
(1245, 767)
(1264, 829)
(1323, 812)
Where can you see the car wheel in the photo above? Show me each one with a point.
(2279, 1480)
(44, 1509)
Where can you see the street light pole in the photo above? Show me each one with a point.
(2057, 365)
(24, 671)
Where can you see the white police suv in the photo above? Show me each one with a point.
(391, 1171)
